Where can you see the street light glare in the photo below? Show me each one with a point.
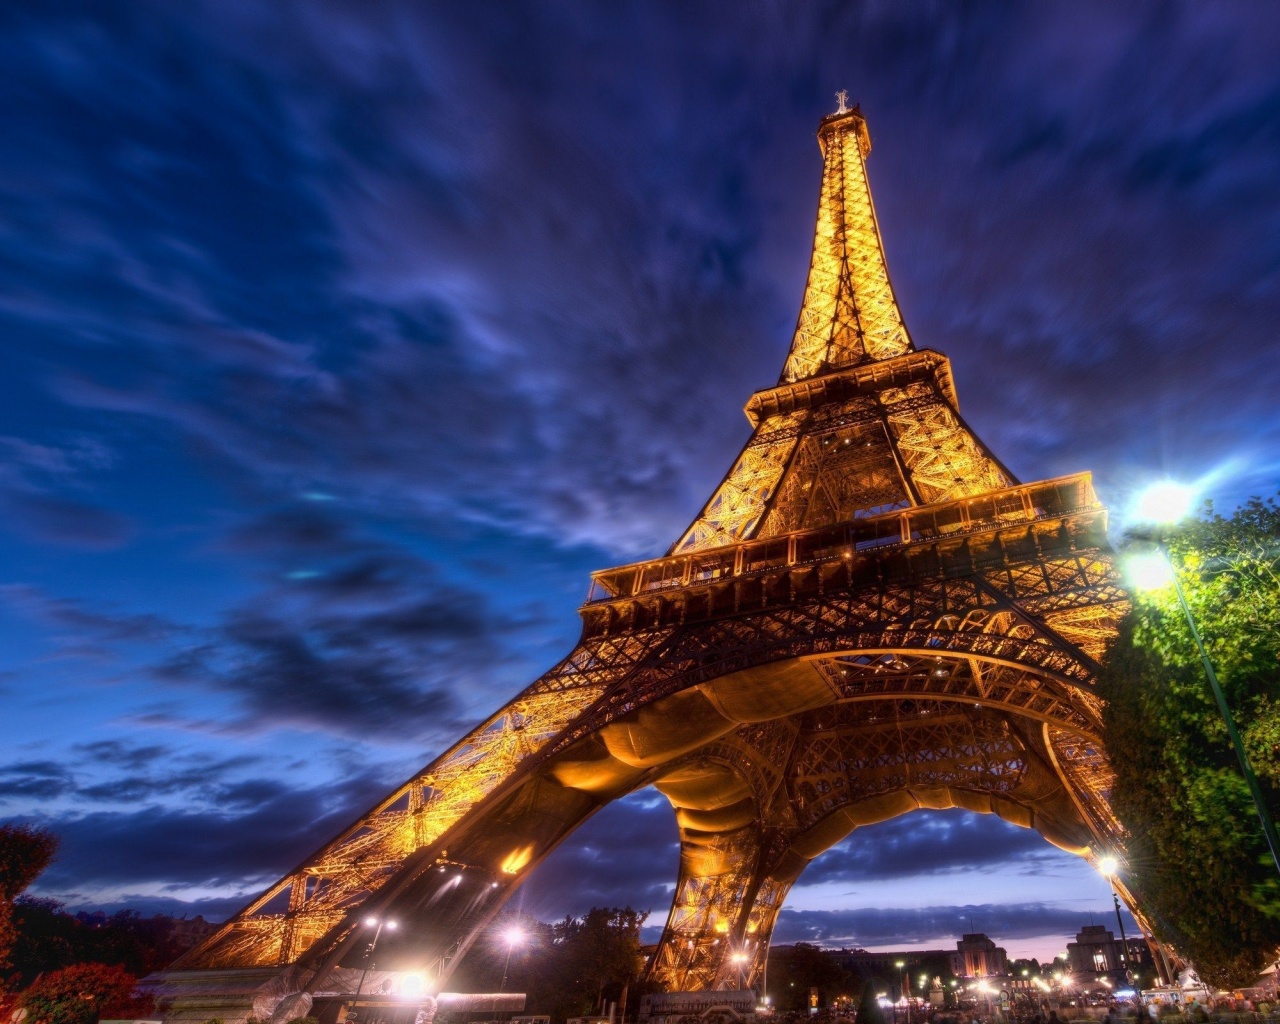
(392, 926)
(514, 936)
(370, 922)
(1165, 501)
(1149, 571)
(1108, 866)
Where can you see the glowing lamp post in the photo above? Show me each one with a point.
(377, 923)
(512, 937)
(1109, 867)
(985, 989)
(1163, 504)
(739, 959)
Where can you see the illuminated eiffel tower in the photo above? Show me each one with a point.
(871, 615)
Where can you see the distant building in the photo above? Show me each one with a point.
(886, 963)
(1097, 953)
(976, 956)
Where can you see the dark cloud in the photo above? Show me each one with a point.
(295, 530)
(122, 754)
(118, 772)
(510, 303)
(244, 844)
(374, 646)
(74, 619)
(73, 524)
(360, 638)
(195, 779)
(31, 477)
(36, 780)
(930, 843)
(146, 903)
(627, 854)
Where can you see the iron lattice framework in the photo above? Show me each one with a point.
(870, 615)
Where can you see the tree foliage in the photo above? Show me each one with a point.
(25, 851)
(567, 968)
(83, 993)
(795, 969)
(48, 937)
(1196, 856)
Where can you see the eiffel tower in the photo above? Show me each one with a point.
(870, 615)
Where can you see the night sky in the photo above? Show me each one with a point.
(342, 341)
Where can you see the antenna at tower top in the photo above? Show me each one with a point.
(842, 97)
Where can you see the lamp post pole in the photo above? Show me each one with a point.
(1124, 940)
(368, 954)
(513, 937)
(764, 978)
(1268, 828)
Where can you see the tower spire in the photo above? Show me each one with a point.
(861, 423)
(849, 314)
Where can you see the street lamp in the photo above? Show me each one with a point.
(513, 936)
(1162, 504)
(377, 923)
(739, 959)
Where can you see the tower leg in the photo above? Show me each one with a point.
(726, 902)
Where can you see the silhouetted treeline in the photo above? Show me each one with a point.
(48, 937)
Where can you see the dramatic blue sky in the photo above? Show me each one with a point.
(341, 341)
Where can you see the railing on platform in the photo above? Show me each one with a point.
(1024, 503)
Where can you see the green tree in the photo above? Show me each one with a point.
(25, 851)
(49, 938)
(565, 968)
(793, 970)
(83, 993)
(1196, 853)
